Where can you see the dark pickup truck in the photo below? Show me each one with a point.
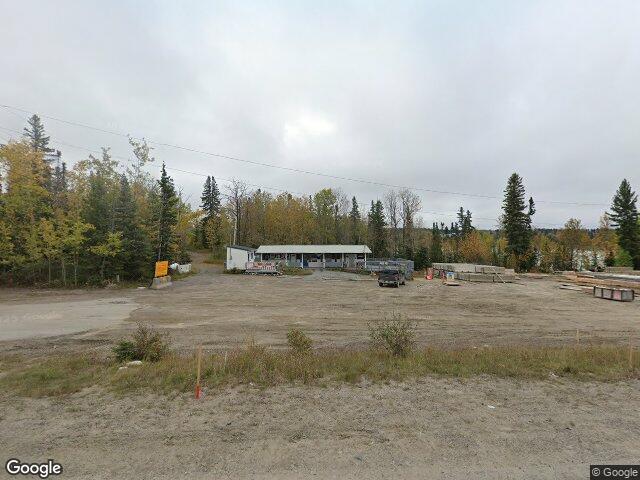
(395, 278)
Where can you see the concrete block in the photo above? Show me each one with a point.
(464, 267)
(161, 282)
(491, 269)
(480, 277)
(506, 278)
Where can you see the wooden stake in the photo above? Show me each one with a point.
(199, 361)
(630, 353)
(577, 336)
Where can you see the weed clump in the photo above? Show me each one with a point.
(148, 344)
(297, 271)
(233, 271)
(298, 341)
(396, 336)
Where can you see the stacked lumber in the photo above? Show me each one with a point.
(608, 280)
(622, 270)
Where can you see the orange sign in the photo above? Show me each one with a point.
(162, 268)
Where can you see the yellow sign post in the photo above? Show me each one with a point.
(162, 269)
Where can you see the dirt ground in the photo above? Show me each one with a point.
(434, 428)
(429, 428)
(221, 311)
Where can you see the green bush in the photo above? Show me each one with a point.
(148, 344)
(125, 351)
(298, 341)
(395, 336)
(286, 270)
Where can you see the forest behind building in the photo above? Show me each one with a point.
(104, 220)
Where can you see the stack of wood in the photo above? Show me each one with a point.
(606, 279)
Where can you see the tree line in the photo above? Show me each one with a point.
(391, 227)
(102, 221)
(96, 222)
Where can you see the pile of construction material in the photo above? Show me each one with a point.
(605, 279)
(622, 270)
(471, 272)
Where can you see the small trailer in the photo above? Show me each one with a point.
(613, 293)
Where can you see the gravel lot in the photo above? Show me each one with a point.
(222, 311)
(429, 428)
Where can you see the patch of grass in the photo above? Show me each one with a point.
(176, 276)
(396, 336)
(295, 271)
(264, 367)
(357, 271)
(298, 341)
(233, 271)
(127, 284)
(211, 260)
(55, 376)
(147, 344)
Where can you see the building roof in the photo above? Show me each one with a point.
(240, 247)
(313, 249)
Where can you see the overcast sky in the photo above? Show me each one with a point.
(439, 95)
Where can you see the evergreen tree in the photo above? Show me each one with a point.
(60, 186)
(435, 249)
(464, 223)
(35, 134)
(210, 198)
(377, 234)
(97, 210)
(624, 216)
(210, 204)
(166, 215)
(516, 220)
(134, 260)
(205, 199)
(421, 259)
(354, 220)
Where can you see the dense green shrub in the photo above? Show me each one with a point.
(148, 344)
(396, 336)
(125, 351)
(623, 259)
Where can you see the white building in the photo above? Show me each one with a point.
(238, 256)
(315, 256)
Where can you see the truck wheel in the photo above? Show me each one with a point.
(379, 284)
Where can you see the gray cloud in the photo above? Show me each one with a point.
(441, 95)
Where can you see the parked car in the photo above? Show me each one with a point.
(393, 277)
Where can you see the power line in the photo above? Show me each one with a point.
(60, 142)
(66, 144)
(290, 169)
